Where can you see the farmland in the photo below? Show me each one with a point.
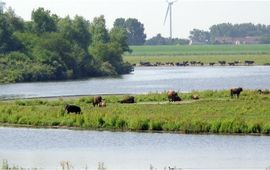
(204, 53)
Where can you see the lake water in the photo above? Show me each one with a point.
(149, 79)
(46, 148)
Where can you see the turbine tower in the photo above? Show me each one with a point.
(2, 6)
(169, 9)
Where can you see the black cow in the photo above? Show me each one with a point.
(128, 99)
(263, 91)
(222, 63)
(73, 109)
(248, 62)
(236, 91)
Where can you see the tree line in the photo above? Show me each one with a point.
(53, 48)
(262, 32)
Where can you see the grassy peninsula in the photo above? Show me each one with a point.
(214, 112)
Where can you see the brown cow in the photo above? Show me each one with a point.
(96, 100)
(173, 96)
(236, 91)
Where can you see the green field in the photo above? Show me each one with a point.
(214, 112)
(205, 53)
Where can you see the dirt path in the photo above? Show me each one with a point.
(167, 102)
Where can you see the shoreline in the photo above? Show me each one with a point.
(3, 125)
(215, 65)
(61, 97)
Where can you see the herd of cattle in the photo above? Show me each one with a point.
(171, 94)
(196, 63)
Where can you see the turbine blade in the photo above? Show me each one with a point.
(167, 12)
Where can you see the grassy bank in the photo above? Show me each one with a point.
(182, 50)
(204, 53)
(215, 112)
(259, 59)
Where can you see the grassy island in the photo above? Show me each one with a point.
(214, 112)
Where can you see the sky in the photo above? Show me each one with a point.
(187, 14)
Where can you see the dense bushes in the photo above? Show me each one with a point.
(52, 48)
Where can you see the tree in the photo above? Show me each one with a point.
(43, 21)
(15, 23)
(76, 30)
(134, 28)
(7, 41)
(200, 36)
(98, 31)
(120, 23)
(159, 40)
(135, 31)
(108, 47)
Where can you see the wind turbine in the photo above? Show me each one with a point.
(2, 6)
(169, 9)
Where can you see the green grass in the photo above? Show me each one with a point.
(177, 50)
(215, 112)
(259, 59)
(205, 53)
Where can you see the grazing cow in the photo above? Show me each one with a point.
(102, 104)
(231, 64)
(185, 63)
(222, 63)
(212, 64)
(263, 91)
(236, 91)
(128, 99)
(145, 63)
(248, 62)
(193, 63)
(173, 96)
(96, 100)
(73, 109)
(195, 97)
(237, 62)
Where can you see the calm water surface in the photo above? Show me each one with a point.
(46, 148)
(149, 79)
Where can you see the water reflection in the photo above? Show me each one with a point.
(122, 150)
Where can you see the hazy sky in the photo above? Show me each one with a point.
(187, 14)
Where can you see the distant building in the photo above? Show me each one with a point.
(237, 40)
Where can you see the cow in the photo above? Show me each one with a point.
(73, 109)
(222, 63)
(195, 97)
(236, 91)
(102, 103)
(128, 99)
(249, 62)
(173, 96)
(96, 100)
(263, 91)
